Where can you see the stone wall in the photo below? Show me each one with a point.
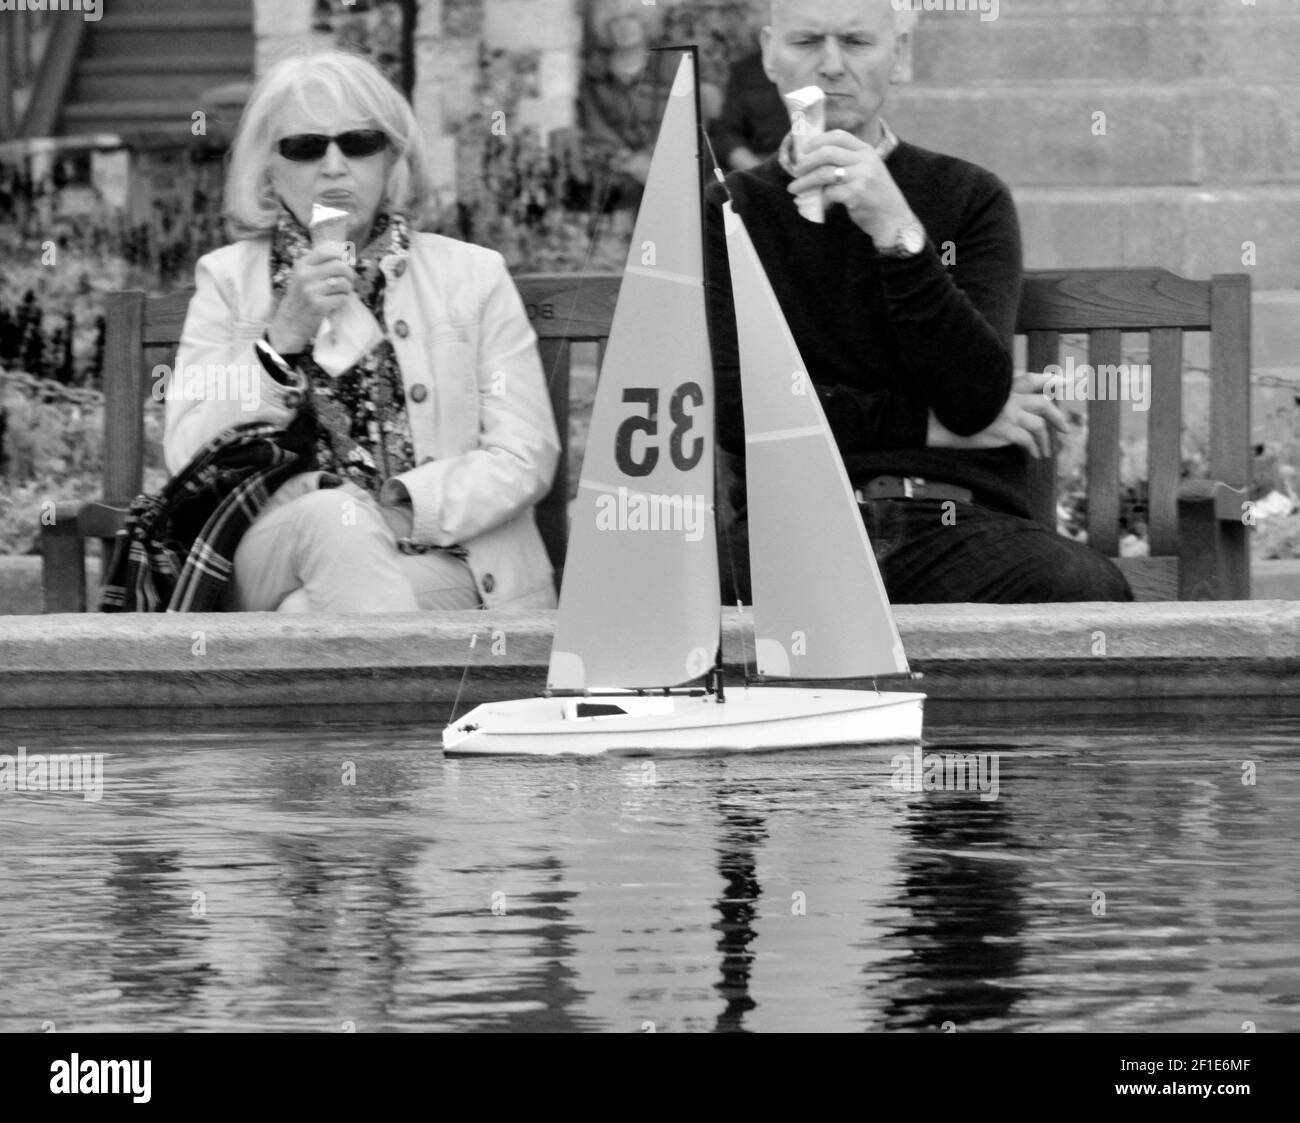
(1156, 133)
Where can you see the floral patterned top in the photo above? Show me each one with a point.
(363, 433)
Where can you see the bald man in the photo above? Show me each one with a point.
(903, 305)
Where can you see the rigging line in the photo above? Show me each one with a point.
(718, 173)
(473, 640)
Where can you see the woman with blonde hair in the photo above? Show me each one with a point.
(408, 356)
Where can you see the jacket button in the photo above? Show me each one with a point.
(419, 392)
(489, 582)
(399, 268)
(400, 329)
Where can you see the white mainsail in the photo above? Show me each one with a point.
(820, 607)
(639, 606)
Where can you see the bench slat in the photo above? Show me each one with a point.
(123, 418)
(1151, 578)
(1230, 451)
(1043, 349)
(562, 305)
(164, 318)
(1164, 439)
(1104, 349)
(1071, 300)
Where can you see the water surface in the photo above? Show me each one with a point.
(1125, 878)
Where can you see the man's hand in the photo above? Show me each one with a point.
(867, 190)
(1027, 419)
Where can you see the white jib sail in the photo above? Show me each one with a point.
(820, 608)
(639, 605)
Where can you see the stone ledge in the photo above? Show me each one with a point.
(106, 667)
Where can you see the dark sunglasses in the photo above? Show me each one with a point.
(312, 146)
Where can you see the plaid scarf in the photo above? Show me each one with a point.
(364, 433)
(176, 552)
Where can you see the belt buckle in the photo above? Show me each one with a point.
(913, 486)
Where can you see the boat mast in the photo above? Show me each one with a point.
(701, 146)
(714, 678)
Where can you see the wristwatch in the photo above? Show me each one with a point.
(909, 240)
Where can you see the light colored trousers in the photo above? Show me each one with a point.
(314, 549)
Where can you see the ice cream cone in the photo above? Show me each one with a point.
(807, 108)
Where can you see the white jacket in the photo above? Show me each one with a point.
(481, 422)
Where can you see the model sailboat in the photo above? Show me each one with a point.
(639, 608)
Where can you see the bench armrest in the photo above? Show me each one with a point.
(63, 549)
(1213, 543)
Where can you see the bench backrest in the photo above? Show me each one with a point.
(1104, 304)
(1099, 303)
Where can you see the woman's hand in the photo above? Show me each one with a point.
(322, 280)
(1027, 419)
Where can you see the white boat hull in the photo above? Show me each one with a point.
(751, 719)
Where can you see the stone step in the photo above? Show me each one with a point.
(173, 77)
(128, 117)
(171, 7)
(1192, 231)
(1137, 43)
(224, 29)
(1046, 134)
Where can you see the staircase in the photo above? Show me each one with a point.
(140, 71)
(1201, 145)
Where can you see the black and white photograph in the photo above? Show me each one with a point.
(650, 516)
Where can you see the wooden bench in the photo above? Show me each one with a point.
(1198, 538)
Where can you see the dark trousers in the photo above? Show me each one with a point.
(933, 551)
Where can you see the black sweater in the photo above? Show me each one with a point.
(886, 340)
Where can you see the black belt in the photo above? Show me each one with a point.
(910, 487)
